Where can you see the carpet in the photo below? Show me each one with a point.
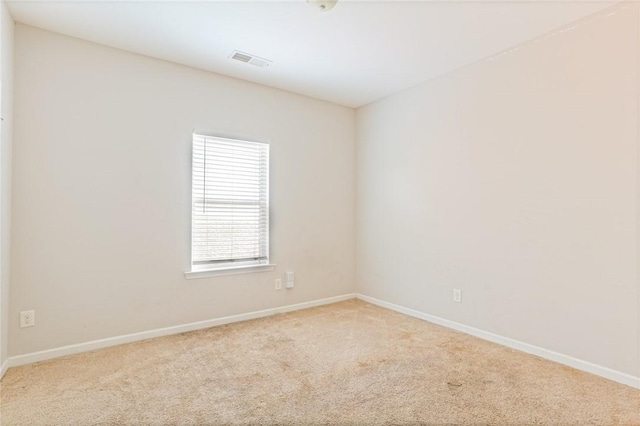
(347, 363)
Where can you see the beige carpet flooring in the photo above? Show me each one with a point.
(347, 363)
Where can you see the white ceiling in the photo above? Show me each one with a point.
(352, 55)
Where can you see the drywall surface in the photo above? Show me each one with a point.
(6, 126)
(515, 180)
(101, 201)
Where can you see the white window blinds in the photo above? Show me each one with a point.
(230, 196)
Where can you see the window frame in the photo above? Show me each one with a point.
(231, 267)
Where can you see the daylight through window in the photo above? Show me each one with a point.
(230, 203)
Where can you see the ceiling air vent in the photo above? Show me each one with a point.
(248, 58)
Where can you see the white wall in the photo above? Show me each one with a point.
(101, 212)
(6, 99)
(515, 180)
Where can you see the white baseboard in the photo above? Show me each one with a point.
(15, 361)
(598, 370)
(3, 368)
(579, 364)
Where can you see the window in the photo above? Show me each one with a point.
(230, 204)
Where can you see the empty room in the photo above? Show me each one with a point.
(309, 212)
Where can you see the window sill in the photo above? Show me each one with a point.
(206, 273)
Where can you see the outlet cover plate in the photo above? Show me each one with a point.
(27, 319)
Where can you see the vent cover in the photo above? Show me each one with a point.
(248, 58)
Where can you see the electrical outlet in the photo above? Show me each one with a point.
(457, 295)
(290, 279)
(278, 284)
(27, 319)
